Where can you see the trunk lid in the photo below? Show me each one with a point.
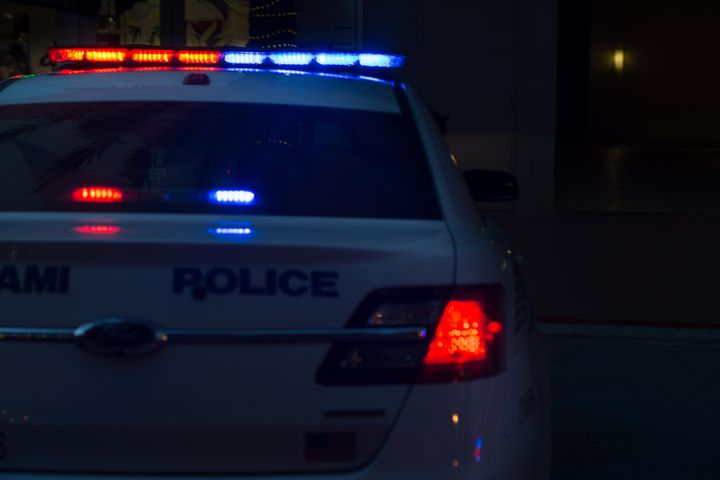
(198, 407)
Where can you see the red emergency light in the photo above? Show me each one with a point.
(97, 55)
(152, 56)
(204, 57)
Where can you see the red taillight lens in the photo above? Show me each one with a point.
(152, 56)
(467, 341)
(199, 57)
(460, 336)
(97, 195)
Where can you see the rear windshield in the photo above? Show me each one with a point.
(212, 158)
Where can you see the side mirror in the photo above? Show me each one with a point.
(492, 185)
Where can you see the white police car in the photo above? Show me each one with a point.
(253, 264)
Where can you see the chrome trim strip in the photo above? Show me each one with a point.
(37, 334)
(376, 335)
(208, 336)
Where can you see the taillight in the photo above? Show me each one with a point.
(466, 342)
(97, 195)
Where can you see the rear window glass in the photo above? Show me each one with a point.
(213, 158)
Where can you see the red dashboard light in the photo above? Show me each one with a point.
(97, 195)
(199, 57)
(98, 229)
(152, 56)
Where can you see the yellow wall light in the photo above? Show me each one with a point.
(619, 60)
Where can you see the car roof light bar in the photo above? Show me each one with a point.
(86, 57)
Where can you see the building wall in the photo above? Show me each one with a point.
(41, 29)
(47, 27)
(666, 94)
(490, 65)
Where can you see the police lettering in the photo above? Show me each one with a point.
(34, 279)
(224, 281)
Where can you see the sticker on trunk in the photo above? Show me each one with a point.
(34, 279)
(246, 281)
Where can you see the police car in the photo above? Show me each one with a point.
(256, 265)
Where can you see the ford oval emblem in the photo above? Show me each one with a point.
(121, 337)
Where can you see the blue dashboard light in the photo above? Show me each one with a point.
(376, 60)
(338, 59)
(230, 197)
(245, 58)
(292, 58)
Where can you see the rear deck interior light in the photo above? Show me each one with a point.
(196, 57)
(97, 229)
(97, 195)
(231, 231)
(230, 197)
(152, 56)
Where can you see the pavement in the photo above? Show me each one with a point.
(635, 402)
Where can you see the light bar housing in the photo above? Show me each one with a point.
(87, 57)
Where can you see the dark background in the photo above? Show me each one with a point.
(646, 139)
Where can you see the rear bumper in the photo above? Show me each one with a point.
(464, 431)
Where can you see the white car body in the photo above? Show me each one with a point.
(245, 410)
